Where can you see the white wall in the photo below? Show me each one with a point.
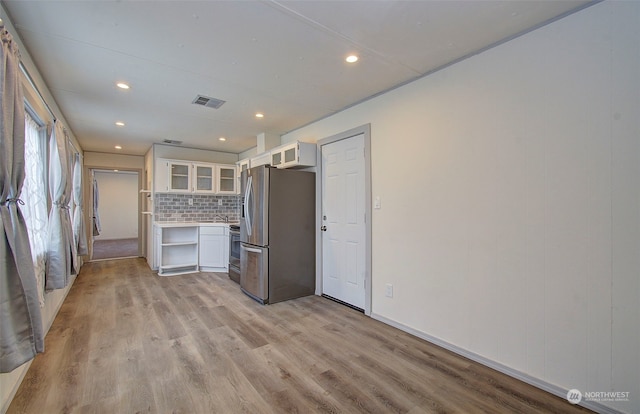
(113, 161)
(194, 154)
(251, 152)
(118, 204)
(510, 188)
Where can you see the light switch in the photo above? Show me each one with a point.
(388, 290)
(376, 203)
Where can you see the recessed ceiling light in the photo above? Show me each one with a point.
(118, 147)
(120, 123)
(122, 85)
(259, 115)
(222, 139)
(352, 58)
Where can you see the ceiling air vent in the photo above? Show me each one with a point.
(208, 102)
(172, 142)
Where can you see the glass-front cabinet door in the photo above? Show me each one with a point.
(204, 179)
(291, 154)
(276, 158)
(243, 165)
(179, 176)
(191, 177)
(226, 179)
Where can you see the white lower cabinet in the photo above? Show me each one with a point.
(214, 248)
(190, 247)
(177, 249)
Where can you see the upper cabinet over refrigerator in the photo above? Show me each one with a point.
(294, 155)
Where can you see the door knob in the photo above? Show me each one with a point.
(323, 228)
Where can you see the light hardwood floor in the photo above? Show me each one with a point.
(128, 341)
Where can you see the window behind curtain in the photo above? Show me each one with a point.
(34, 195)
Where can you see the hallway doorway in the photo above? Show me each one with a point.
(115, 211)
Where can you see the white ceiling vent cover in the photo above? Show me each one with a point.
(172, 142)
(208, 101)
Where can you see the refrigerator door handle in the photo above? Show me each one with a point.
(247, 195)
(252, 250)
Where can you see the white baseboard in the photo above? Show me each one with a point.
(536, 382)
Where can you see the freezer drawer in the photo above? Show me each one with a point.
(254, 272)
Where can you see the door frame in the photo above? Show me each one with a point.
(88, 202)
(366, 131)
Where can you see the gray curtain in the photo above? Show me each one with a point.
(97, 228)
(60, 233)
(78, 214)
(21, 333)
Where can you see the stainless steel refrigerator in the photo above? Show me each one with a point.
(277, 234)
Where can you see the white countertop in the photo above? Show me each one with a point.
(192, 223)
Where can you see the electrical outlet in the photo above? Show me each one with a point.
(219, 201)
(191, 201)
(388, 290)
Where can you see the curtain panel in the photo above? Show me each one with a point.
(60, 233)
(21, 332)
(78, 214)
(97, 227)
(34, 195)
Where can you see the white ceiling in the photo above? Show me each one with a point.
(282, 58)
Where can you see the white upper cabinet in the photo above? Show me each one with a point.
(294, 155)
(204, 178)
(179, 176)
(227, 180)
(261, 159)
(243, 165)
(173, 176)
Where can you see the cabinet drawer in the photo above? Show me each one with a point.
(212, 230)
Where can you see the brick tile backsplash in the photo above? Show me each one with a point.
(175, 207)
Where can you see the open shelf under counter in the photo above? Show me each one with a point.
(178, 244)
(177, 248)
(177, 269)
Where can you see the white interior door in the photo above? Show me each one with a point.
(343, 220)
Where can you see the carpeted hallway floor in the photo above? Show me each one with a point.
(112, 249)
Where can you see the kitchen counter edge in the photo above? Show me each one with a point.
(191, 224)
